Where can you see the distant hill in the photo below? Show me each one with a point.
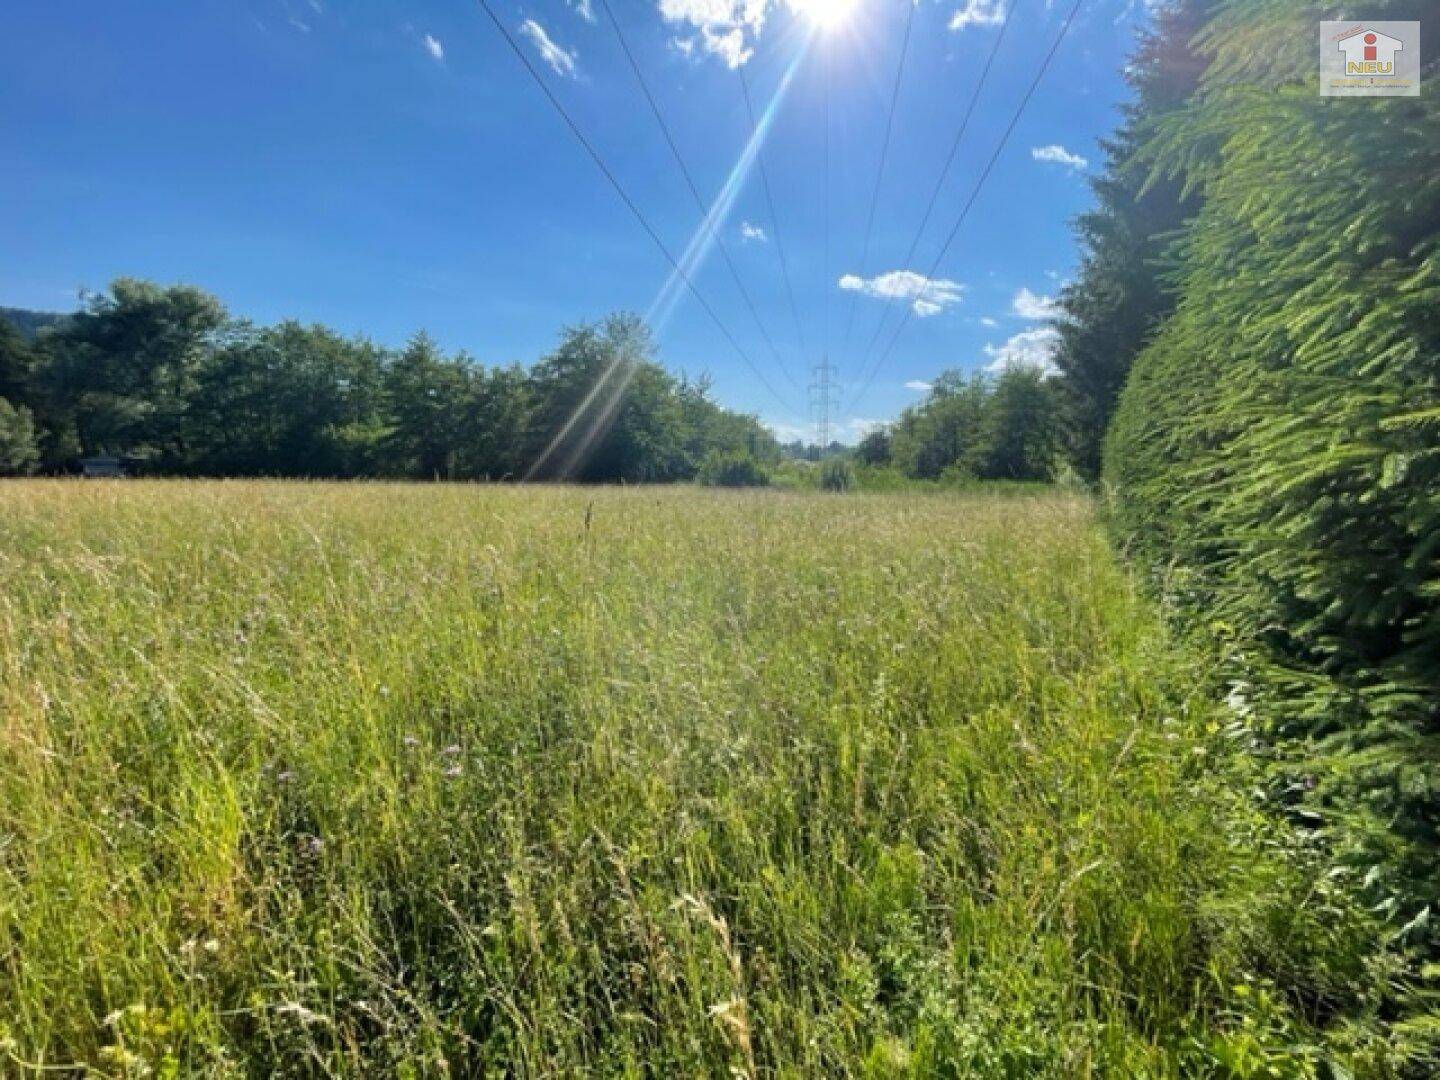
(30, 323)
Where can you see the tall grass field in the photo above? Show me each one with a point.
(423, 780)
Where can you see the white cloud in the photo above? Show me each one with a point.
(788, 433)
(1029, 306)
(978, 13)
(1058, 155)
(723, 28)
(986, 320)
(920, 386)
(728, 45)
(1027, 349)
(849, 431)
(560, 61)
(927, 296)
(433, 47)
(728, 29)
(584, 9)
(750, 232)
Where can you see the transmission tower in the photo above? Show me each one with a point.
(824, 395)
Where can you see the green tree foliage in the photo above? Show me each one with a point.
(710, 428)
(31, 324)
(1006, 427)
(19, 451)
(1277, 448)
(604, 411)
(1119, 296)
(727, 468)
(1020, 434)
(943, 431)
(837, 474)
(125, 367)
(162, 375)
(288, 400)
(497, 423)
(428, 397)
(18, 361)
(874, 448)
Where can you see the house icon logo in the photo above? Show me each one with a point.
(1373, 58)
(1369, 52)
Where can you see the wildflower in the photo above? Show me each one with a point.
(453, 771)
(1237, 701)
(284, 777)
(411, 741)
(451, 750)
(300, 1012)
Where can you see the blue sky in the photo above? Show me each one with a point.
(385, 166)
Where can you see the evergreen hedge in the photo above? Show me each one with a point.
(1276, 450)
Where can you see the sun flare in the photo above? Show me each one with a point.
(825, 14)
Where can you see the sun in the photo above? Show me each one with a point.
(825, 14)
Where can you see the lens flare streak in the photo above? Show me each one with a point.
(702, 243)
(697, 251)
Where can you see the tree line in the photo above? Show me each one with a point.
(1250, 360)
(1002, 427)
(165, 378)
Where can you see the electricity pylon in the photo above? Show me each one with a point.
(824, 394)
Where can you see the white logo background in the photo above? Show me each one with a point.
(1396, 43)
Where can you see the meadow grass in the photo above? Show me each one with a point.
(322, 779)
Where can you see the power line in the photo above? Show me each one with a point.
(828, 86)
(629, 202)
(940, 180)
(910, 6)
(695, 194)
(823, 387)
(770, 206)
(975, 192)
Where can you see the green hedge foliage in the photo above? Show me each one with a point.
(1276, 451)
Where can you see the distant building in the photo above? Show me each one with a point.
(103, 466)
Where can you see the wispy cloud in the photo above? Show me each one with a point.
(927, 296)
(561, 61)
(986, 320)
(752, 233)
(1028, 349)
(1058, 155)
(723, 28)
(302, 15)
(433, 47)
(583, 8)
(978, 13)
(1029, 306)
(920, 386)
